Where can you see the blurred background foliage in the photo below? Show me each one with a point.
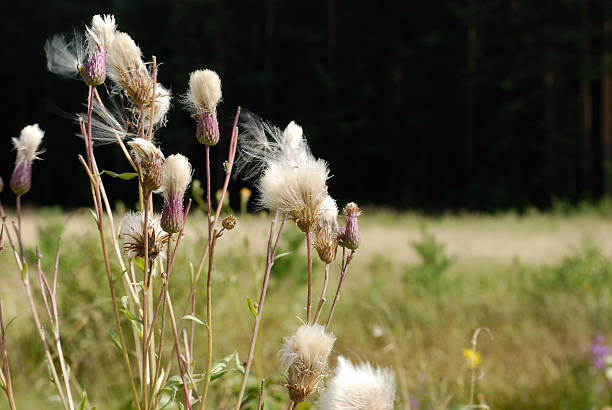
(460, 104)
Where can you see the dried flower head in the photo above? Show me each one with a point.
(202, 98)
(359, 387)
(127, 69)
(176, 178)
(291, 179)
(150, 162)
(326, 241)
(348, 236)
(27, 150)
(304, 356)
(133, 239)
(229, 223)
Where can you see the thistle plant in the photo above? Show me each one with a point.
(292, 185)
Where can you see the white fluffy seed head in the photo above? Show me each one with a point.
(126, 68)
(177, 175)
(100, 34)
(296, 190)
(162, 105)
(304, 357)
(204, 91)
(359, 387)
(64, 57)
(132, 236)
(28, 142)
(290, 178)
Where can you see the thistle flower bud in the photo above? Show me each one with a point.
(229, 223)
(27, 149)
(304, 356)
(127, 69)
(176, 178)
(133, 238)
(326, 241)
(150, 162)
(358, 388)
(94, 70)
(202, 99)
(348, 237)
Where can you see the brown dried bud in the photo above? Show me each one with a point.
(229, 223)
(150, 162)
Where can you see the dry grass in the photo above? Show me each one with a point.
(505, 276)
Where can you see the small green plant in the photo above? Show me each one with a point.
(434, 261)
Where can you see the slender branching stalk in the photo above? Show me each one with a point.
(309, 255)
(53, 316)
(7, 384)
(260, 398)
(270, 255)
(322, 299)
(345, 263)
(100, 224)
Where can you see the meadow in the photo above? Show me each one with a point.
(417, 289)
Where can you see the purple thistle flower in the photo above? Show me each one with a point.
(599, 351)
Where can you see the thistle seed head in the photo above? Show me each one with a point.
(27, 150)
(204, 91)
(176, 178)
(359, 387)
(304, 357)
(326, 241)
(101, 33)
(150, 162)
(133, 238)
(161, 106)
(127, 69)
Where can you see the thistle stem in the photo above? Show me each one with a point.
(6, 371)
(145, 304)
(322, 300)
(345, 263)
(262, 298)
(309, 254)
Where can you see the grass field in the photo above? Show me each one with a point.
(416, 291)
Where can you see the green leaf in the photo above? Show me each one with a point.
(10, 322)
(281, 255)
(125, 176)
(252, 307)
(113, 336)
(195, 319)
(139, 262)
(93, 214)
(24, 270)
(237, 364)
(83, 401)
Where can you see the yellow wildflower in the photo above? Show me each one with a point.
(472, 358)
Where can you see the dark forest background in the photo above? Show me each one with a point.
(432, 105)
